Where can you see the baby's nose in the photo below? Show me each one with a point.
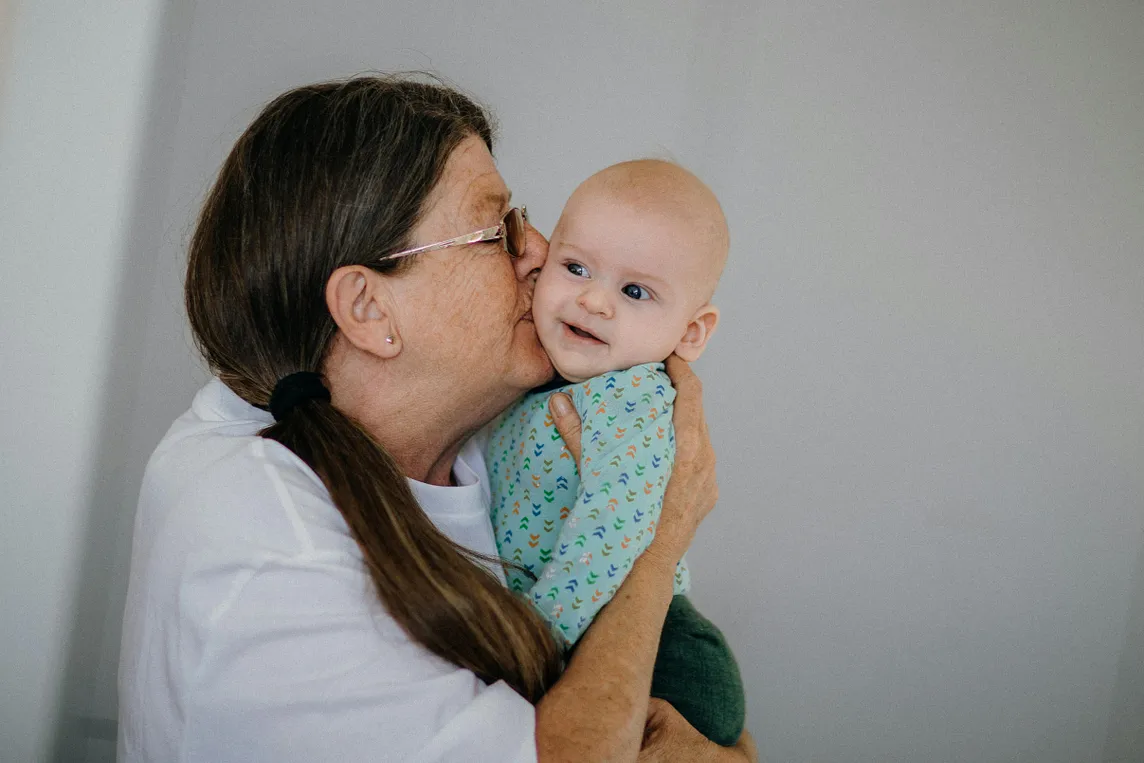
(596, 302)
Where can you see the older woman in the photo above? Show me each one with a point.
(314, 575)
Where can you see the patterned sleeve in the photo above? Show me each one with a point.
(628, 450)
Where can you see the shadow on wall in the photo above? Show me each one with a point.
(1125, 736)
(130, 427)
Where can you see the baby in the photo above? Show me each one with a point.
(633, 264)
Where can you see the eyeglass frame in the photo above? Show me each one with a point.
(498, 232)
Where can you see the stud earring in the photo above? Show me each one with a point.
(389, 339)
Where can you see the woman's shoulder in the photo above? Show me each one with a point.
(242, 492)
(215, 487)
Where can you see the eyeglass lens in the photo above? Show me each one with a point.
(514, 232)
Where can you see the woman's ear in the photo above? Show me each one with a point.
(362, 308)
(698, 333)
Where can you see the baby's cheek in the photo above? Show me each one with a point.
(651, 343)
(546, 325)
(545, 298)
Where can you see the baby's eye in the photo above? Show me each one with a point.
(635, 291)
(576, 269)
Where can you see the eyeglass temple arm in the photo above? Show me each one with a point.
(488, 234)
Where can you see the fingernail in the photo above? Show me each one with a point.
(560, 405)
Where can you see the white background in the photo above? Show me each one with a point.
(927, 393)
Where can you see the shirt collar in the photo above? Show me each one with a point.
(218, 402)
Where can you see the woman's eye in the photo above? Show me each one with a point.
(635, 291)
(576, 269)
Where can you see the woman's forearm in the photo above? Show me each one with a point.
(597, 710)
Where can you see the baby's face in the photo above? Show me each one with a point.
(619, 288)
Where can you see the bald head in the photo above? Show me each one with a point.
(665, 190)
(631, 269)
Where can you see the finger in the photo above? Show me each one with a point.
(651, 746)
(688, 387)
(567, 422)
(680, 372)
(656, 706)
(746, 745)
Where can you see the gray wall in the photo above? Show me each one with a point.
(926, 393)
(934, 507)
(72, 110)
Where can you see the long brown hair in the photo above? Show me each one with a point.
(330, 175)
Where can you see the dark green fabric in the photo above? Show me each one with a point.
(696, 672)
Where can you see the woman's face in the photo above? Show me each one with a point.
(466, 310)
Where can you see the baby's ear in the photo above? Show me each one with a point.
(698, 333)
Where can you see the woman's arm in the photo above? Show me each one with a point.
(598, 709)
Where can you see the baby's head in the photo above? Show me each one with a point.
(633, 264)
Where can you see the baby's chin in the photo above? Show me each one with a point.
(569, 368)
(573, 372)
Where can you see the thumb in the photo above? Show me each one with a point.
(567, 422)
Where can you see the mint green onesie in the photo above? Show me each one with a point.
(580, 536)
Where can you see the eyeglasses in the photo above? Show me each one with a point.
(510, 231)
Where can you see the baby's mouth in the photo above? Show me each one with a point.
(579, 332)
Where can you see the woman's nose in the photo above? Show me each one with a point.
(529, 263)
(595, 301)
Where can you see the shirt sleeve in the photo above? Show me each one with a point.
(628, 449)
(301, 663)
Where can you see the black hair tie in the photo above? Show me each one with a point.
(296, 388)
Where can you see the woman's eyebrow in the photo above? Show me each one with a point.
(492, 201)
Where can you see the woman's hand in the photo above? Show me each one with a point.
(668, 737)
(567, 422)
(692, 489)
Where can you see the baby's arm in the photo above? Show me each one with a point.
(628, 451)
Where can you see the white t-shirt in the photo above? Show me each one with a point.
(253, 632)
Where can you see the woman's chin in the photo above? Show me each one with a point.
(534, 368)
(548, 373)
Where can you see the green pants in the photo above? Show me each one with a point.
(696, 672)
